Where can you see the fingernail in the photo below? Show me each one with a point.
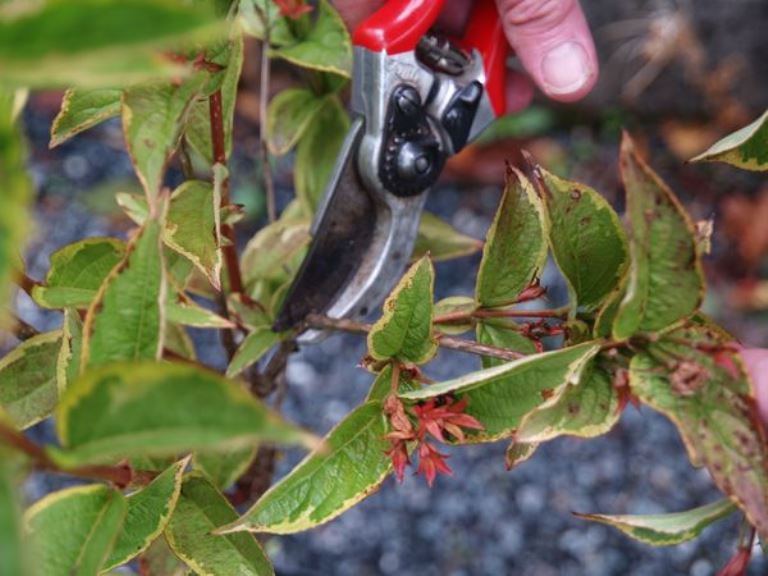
(565, 68)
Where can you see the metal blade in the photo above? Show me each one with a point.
(341, 233)
(362, 243)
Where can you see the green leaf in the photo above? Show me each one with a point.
(666, 281)
(256, 344)
(82, 109)
(405, 329)
(180, 270)
(187, 250)
(382, 386)
(290, 114)
(159, 560)
(134, 206)
(502, 334)
(588, 241)
(327, 47)
(122, 410)
(442, 241)
(607, 314)
(327, 482)
(516, 247)
(183, 310)
(20, 99)
(48, 45)
(462, 305)
(317, 152)
(197, 129)
(708, 396)
(125, 321)
(16, 194)
(501, 396)
(275, 252)
(15, 560)
(746, 148)
(254, 12)
(72, 531)
(517, 453)
(248, 313)
(586, 409)
(77, 272)
(28, 389)
(178, 341)
(202, 509)
(193, 227)
(224, 467)
(666, 529)
(153, 116)
(148, 513)
(68, 359)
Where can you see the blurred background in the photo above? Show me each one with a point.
(678, 75)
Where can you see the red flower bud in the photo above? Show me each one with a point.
(293, 9)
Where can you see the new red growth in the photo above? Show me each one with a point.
(293, 8)
(437, 417)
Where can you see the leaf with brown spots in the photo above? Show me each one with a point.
(587, 408)
(706, 393)
(516, 247)
(153, 116)
(587, 239)
(405, 329)
(502, 396)
(666, 282)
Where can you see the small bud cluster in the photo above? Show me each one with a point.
(293, 9)
(440, 418)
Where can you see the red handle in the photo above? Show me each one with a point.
(399, 25)
(485, 34)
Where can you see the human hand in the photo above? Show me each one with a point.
(756, 360)
(550, 37)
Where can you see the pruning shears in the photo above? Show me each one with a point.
(418, 98)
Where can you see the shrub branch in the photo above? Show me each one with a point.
(320, 322)
(121, 475)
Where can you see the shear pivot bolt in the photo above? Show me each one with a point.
(408, 101)
(414, 161)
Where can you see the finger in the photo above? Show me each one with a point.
(453, 19)
(519, 91)
(553, 42)
(353, 12)
(756, 360)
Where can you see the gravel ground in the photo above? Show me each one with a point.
(483, 520)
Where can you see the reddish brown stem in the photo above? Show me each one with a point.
(229, 249)
(466, 316)
(457, 316)
(395, 384)
(20, 443)
(26, 283)
(343, 325)
(121, 475)
(22, 330)
(500, 313)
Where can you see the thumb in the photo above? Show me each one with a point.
(553, 42)
(353, 12)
